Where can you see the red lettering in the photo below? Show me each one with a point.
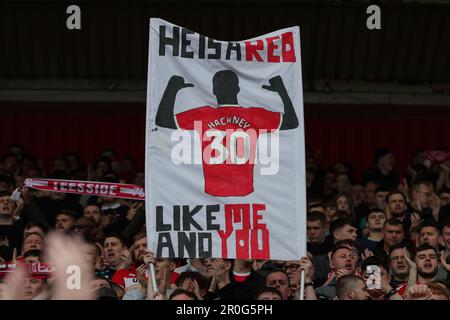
(242, 244)
(251, 50)
(287, 47)
(271, 46)
(257, 217)
(228, 230)
(264, 252)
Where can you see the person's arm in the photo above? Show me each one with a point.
(134, 226)
(290, 120)
(412, 279)
(165, 116)
(33, 213)
(310, 292)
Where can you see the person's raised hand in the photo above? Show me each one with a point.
(419, 292)
(73, 273)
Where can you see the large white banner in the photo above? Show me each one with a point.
(225, 169)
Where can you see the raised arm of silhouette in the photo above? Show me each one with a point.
(290, 120)
(165, 117)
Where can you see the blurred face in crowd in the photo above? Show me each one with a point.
(423, 195)
(83, 227)
(396, 204)
(292, 269)
(393, 235)
(427, 263)
(386, 163)
(369, 194)
(357, 194)
(429, 235)
(446, 237)
(73, 161)
(97, 284)
(33, 287)
(343, 183)
(10, 163)
(329, 181)
(60, 165)
(112, 250)
(342, 204)
(330, 211)
(445, 198)
(380, 197)
(31, 259)
(344, 259)
(34, 229)
(375, 221)
(4, 185)
(7, 207)
(268, 296)
(89, 251)
(139, 250)
(101, 168)
(345, 233)
(163, 268)
(398, 264)
(316, 231)
(33, 241)
(64, 222)
(93, 212)
(279, 281)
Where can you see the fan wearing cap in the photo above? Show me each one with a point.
(383, 169)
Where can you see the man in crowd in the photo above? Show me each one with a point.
(375, 223)
(343, 262)
(316, 227)
(393, 234)
(351, 287)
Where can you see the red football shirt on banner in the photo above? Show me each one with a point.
(229, 141)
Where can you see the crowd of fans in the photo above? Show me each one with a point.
(385, 238)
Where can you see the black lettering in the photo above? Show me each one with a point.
(185, 42)
(188, 220)
(165, 41)
(202, 251)
(160, 226)
(164, 241)
(214, 45)
(176, 218)
(201, 47)
(210, 218)
(187, 243)
(235, 47)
